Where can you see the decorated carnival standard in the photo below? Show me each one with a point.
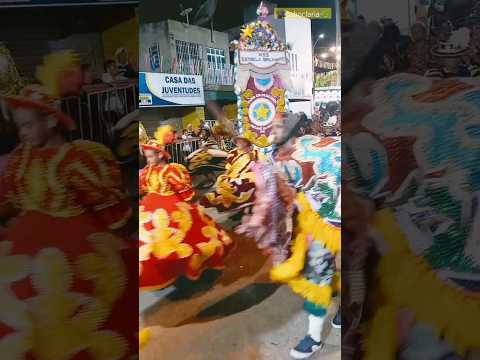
(262, 79)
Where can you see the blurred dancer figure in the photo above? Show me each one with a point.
(305, 177)
(69, 264)
(176, 237)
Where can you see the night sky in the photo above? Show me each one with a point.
(229, 13)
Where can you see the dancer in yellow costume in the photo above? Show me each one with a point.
(235, 189)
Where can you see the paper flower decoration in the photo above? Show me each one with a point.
(260, 35)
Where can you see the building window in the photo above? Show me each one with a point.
(216, 58)
(189, 57)
(154, 57)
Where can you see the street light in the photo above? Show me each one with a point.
(321, 36)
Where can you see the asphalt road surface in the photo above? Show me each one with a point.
(237, 314)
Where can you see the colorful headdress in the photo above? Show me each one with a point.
(163, 136)
(59, 76)
(219, 129)
(10, 80)
(458, 44)
(260, 35)
(142, 134)
(225, 128)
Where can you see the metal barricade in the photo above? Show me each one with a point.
(210, 123)
(98, 109)
(72, 106)
(180, 149)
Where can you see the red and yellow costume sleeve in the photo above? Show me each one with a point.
(142, 181)
(180, 181)
(94, 176)
(7, 183)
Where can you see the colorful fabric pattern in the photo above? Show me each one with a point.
(235, 188)
(313, 166)
(202, 162)
(429, 181)
(65, 272)
(311, 170)
(412, 146)
(176, 238)
(271, 223)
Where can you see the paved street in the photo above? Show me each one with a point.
(237, 314)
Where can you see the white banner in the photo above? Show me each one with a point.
(165, 90)
(327, 95)
(262, 59)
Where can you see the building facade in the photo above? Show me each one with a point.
(173, 47)
(296, 33)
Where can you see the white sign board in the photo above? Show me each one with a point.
(167, 90)
(262, 59)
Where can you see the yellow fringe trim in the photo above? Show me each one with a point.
(144, 337)
(381, 341)
(337, 283)
(310, 224)
(290, 268)
(316, 294)
(408, 281)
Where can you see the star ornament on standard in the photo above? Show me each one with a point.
(247, 31)
(262, 112)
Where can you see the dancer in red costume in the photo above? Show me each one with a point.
(64, 267)
(176, 237)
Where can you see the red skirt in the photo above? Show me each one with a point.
(177, 239)
(73, 285)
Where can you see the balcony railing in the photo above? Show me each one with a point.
(223, 77)
(211, 75)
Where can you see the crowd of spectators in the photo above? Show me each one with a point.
(443, 42)
(116, 72)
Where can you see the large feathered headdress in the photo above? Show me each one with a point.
(59, 76)
(142, 134)
(10, 80)
(164, 135)
(223, 126)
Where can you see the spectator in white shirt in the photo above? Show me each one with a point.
(112, 74)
